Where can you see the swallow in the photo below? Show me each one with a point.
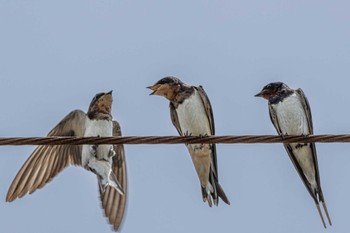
(291, 115)
(106, 161)
(192, 115)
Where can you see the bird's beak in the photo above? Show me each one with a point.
(154, 88)
(260, 94)
(109, 93)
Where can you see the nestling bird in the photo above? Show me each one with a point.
(106, 161)
(291, 115)
(192, 114)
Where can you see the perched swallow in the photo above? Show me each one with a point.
(106, 161)
(291, 115)
(191, 114)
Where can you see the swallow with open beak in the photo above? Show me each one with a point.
(106, 161)
(192, 114)
(291, 115)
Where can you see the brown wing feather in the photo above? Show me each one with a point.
(208, 108)
(47, 161)
(209, 112)
(113, 203)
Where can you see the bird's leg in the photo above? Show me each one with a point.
(187, 134)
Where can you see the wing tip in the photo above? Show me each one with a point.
(10, 198)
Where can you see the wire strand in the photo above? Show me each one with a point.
(244, 139)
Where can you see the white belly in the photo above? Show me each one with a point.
(192, 116)
(102, 128)
(291, 116)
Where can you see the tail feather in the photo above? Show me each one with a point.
(207, 197)
(213, 193)
(321, 199)
(326, 211)
(218, 190)
(319, 211)
(222, 194)
(318, 198)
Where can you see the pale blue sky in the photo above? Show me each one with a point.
(56, 55)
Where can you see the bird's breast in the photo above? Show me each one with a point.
(102, 128)
(291, 116)
(192, 116)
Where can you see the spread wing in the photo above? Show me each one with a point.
(47, 161)
(113, 203)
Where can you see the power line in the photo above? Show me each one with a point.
(244, 139)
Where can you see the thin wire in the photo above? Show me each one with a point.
(324, 138)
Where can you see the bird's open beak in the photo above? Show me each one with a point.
(154, 88)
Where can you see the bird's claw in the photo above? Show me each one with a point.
(187, 134)
(203, 135)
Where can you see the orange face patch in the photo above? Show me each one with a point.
(165, 90)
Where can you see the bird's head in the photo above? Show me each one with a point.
(102, 103)
(167, 87)
(272, 89)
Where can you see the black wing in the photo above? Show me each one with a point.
(175, 119)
